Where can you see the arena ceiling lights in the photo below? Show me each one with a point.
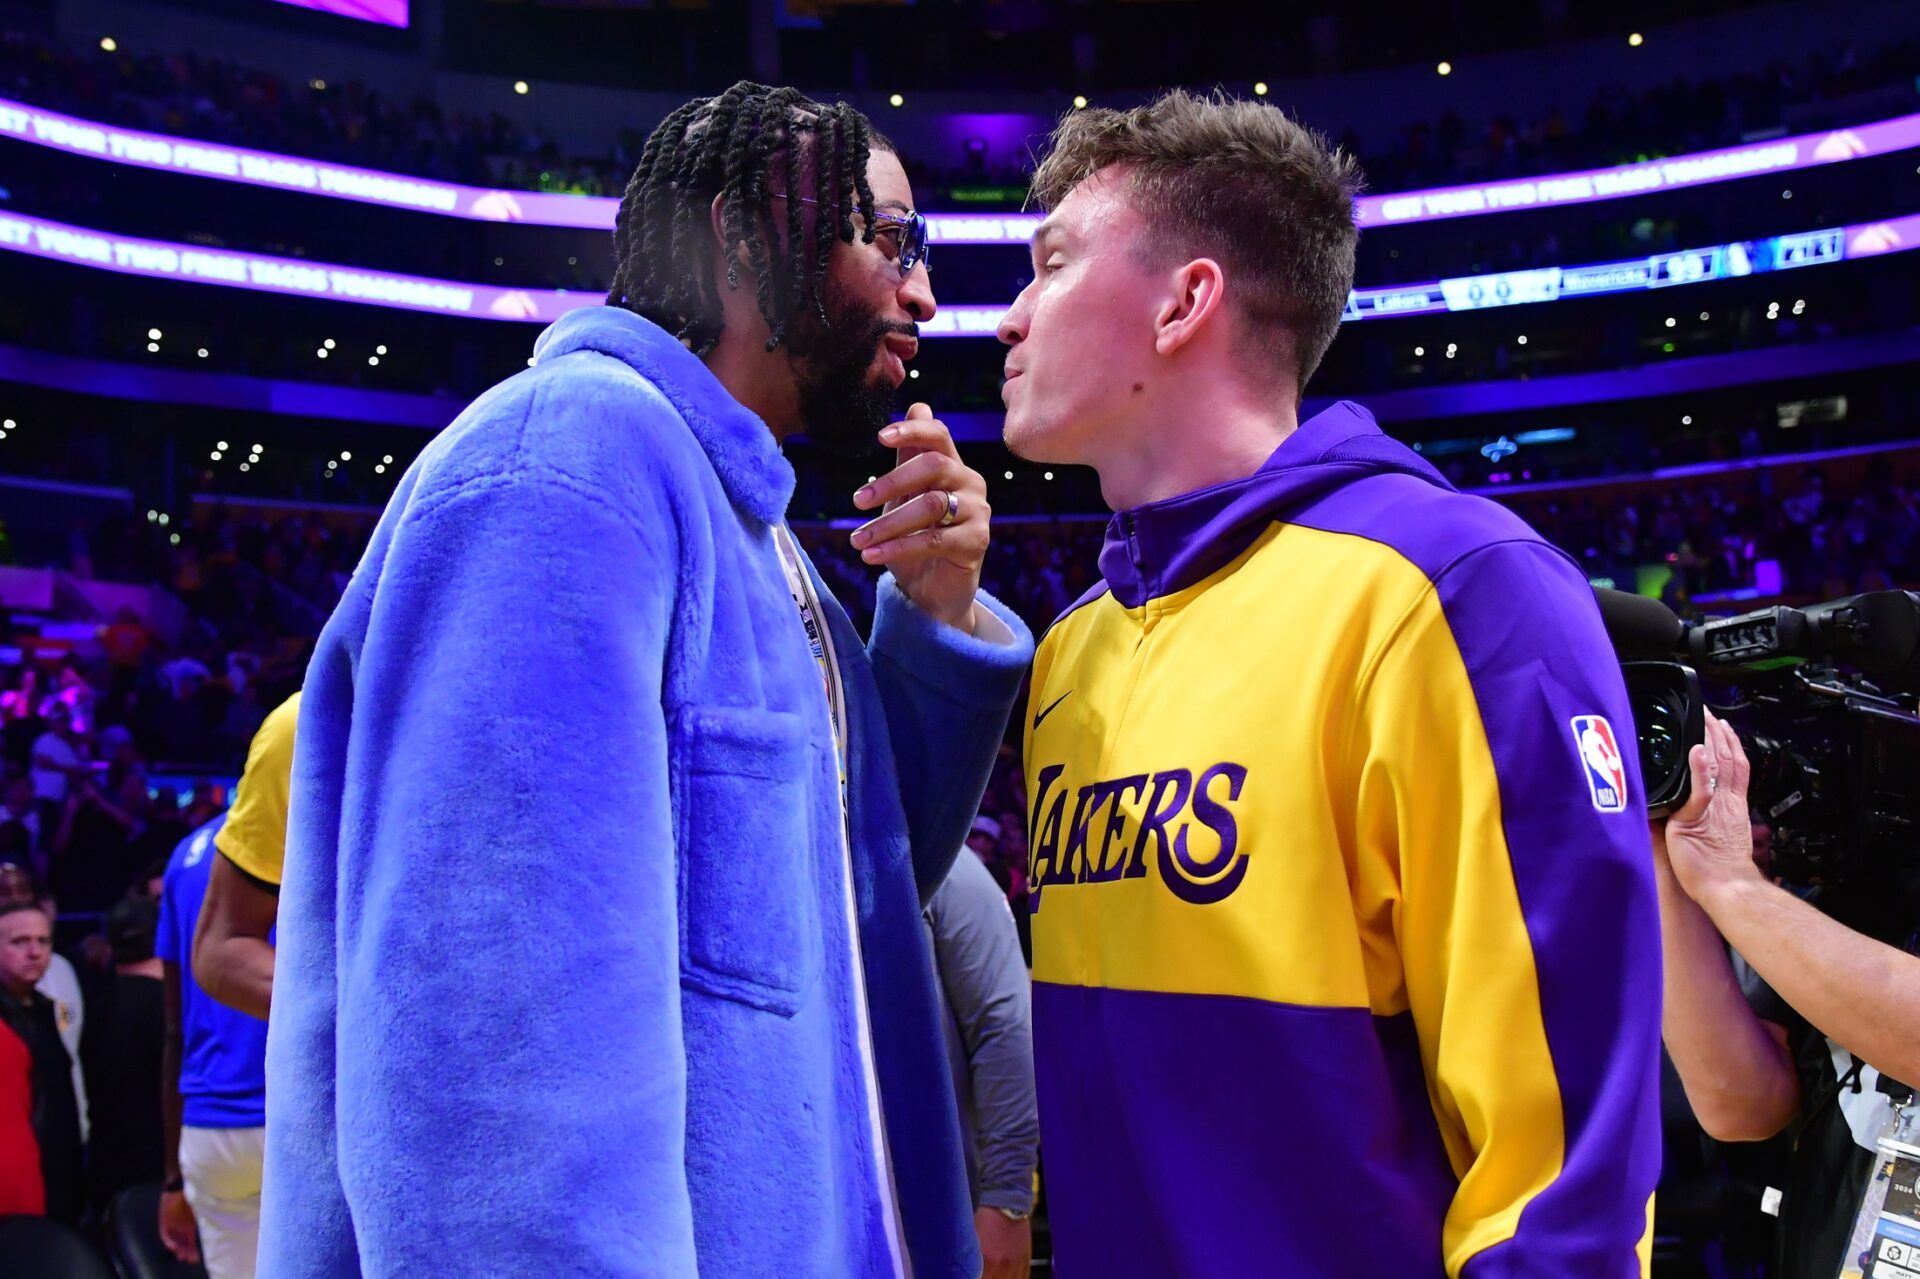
(62, 242)
(90, 138)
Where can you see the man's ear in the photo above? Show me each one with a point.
(733, 257)
(1195, 295)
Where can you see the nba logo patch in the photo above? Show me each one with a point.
(1599, 753)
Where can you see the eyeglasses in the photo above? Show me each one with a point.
(908, 230)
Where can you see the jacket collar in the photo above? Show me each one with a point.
(756, 475)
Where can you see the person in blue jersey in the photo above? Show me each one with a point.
(214, 1090)
(585, 692)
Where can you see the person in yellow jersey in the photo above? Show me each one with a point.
(1345, 940)
(232, 953)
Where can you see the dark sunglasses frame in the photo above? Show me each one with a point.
(914, 248)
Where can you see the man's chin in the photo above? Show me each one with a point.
(1026, 440)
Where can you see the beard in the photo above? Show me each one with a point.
(844, 399)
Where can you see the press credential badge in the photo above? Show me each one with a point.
(1886, 1232)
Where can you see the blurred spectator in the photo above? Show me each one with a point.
(216, 1089)
(22, 1189)
(26, 945)
(123, 1049)
(59, 983)
(17, 808)
(233, 954)
(100, 842)
(58, 764)
(989, 1031)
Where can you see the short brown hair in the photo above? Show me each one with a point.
(1267, 198)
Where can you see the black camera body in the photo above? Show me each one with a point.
(1823, 699)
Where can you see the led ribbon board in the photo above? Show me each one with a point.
(388, 13)
(539, 208)
(158, 259)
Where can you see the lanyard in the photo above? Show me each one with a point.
(820, 640)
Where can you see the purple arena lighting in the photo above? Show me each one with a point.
(77, 136)
(388, 13)
(61, 242)
(291, 173)
(160, 260)
(1777, 155)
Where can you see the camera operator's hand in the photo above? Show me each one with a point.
(1709, 841)
(1859, 992)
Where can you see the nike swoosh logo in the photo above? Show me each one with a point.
(1043, 714)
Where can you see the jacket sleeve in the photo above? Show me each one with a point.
(977, 953)
(1523, 910)
(946, 697)
(511, 1081)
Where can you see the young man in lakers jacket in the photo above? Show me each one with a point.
(1344, 928)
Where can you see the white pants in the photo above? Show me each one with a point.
(221, 1168)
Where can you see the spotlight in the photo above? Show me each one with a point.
(245, 467)
(1046, 475)
(221, 445)
(1009, 474)
(373, 359)
(328, 344)
(203, 352)
(153, 346)
(215, 455)
(318, 86)
(108, 44)
(1259, 88)
(165, 519)
(153, 335)
(520, 87)
(379, 470)
(896, 100)
(152, 515)
(1522, 339)
(1703, 316)
(6, 425)
(322, 352)
(913, 372)
(1686, 419)
(1636, 40)
(1671, 321)
(173, 539)
(1079, 102)
(387, 460)
(379, 350)
(1786, 195)
(1419, 351)
(1445, 68)
(345, 456)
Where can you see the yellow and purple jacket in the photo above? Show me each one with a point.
(1346, 953)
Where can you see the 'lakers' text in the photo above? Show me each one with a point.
(1102, 832)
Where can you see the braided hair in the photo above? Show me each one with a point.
(730, 146)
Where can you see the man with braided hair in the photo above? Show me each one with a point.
(586, 709)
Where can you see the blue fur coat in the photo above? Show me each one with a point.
(565, 981)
